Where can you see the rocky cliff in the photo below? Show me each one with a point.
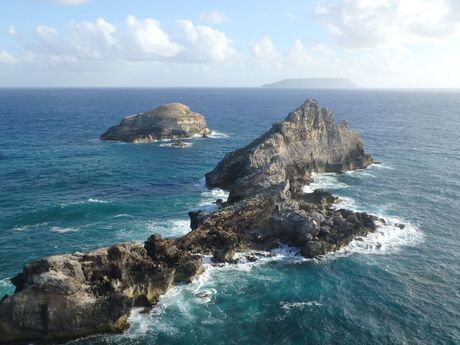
(169, 121)
(308, 140)
(74, 295)
(69, 296)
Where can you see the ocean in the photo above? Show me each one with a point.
(63, 190)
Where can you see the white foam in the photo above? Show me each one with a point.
(359, 173)
(29, 226)
(217, 135)
(326, 181)
(63, 230)
(89, 201)
(182, 146)
(123, 215)
(346, 203)
(299, 305)
(388, 238)
(97, 201)
(170, 227)
(205, 296)
(209, 196)
(6, 282)
(139, 323)
(381, 166)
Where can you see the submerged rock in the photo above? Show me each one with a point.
(70, 296)
(169, 121)
(307, 141)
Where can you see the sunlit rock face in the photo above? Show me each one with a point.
(169, 121)
(308, 140)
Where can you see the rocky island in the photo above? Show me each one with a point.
(74, 295)
(169, 121)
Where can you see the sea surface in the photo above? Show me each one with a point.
(62, 190)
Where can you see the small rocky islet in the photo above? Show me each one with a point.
(173, 121)
(74, 295)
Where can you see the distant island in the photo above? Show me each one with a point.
(313, 83)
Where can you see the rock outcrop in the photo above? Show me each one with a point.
(69, 296)
(169, 121)
(275, 216)
(307, 141)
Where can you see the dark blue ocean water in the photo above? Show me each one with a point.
(62, 190)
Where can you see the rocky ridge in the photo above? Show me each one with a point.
(169, 121)
(74, 295)
(308, 140)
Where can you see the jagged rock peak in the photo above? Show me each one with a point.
(308, 140)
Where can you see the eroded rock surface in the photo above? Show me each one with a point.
(74, 295)
(275, 216)
(308, 140)
(169, 121)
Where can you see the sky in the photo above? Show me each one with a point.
(228, 43)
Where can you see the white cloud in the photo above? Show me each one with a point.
(46, 32)
(93, 39)
(6, 58)
(139, 40)
(265, 53)
(386, 23)
(12, 30)
(213, 17)
(203, 44)
(299, 54)
(151, 39)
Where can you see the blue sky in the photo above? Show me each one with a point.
(376, 43)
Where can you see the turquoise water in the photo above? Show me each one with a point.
(62, 190)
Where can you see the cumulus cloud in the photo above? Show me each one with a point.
(151, 38)
(383, 23)
(265, 52)
(213, 17)
(299, 54)
(93, 39)
(203, 44)
(6, 58)
(46, 32)
(138, 40)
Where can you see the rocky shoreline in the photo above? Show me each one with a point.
(75, 295)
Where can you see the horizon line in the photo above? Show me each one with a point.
(358, 88)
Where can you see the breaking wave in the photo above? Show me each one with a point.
(63, 230)
(217, 135)
(170, 227)
(210, 196)
(183, 145)
(391, 235)
(326, 181)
